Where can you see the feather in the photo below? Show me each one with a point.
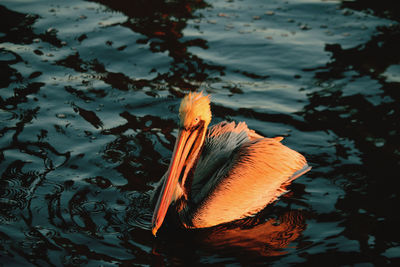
(252, 175)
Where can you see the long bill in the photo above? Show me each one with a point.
(185, 144)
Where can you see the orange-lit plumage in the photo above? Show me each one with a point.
(226, 173)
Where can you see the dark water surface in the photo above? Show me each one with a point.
(88, 111)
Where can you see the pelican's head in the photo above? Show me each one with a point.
(194, 110)
(195, 116)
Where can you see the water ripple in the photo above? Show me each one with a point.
(138, 213)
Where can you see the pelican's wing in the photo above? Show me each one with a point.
(249, 180)
(220, 143)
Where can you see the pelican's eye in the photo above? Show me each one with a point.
(196, 120)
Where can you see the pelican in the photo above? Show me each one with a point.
(222, 174)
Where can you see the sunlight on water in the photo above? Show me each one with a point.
(89, 95)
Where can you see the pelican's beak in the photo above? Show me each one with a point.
(185, 144)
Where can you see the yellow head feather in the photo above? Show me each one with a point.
(195, 107)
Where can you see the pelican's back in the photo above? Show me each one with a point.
(250, 176)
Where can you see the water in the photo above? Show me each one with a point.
(88, 110)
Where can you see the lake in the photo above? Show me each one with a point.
(89, 97)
